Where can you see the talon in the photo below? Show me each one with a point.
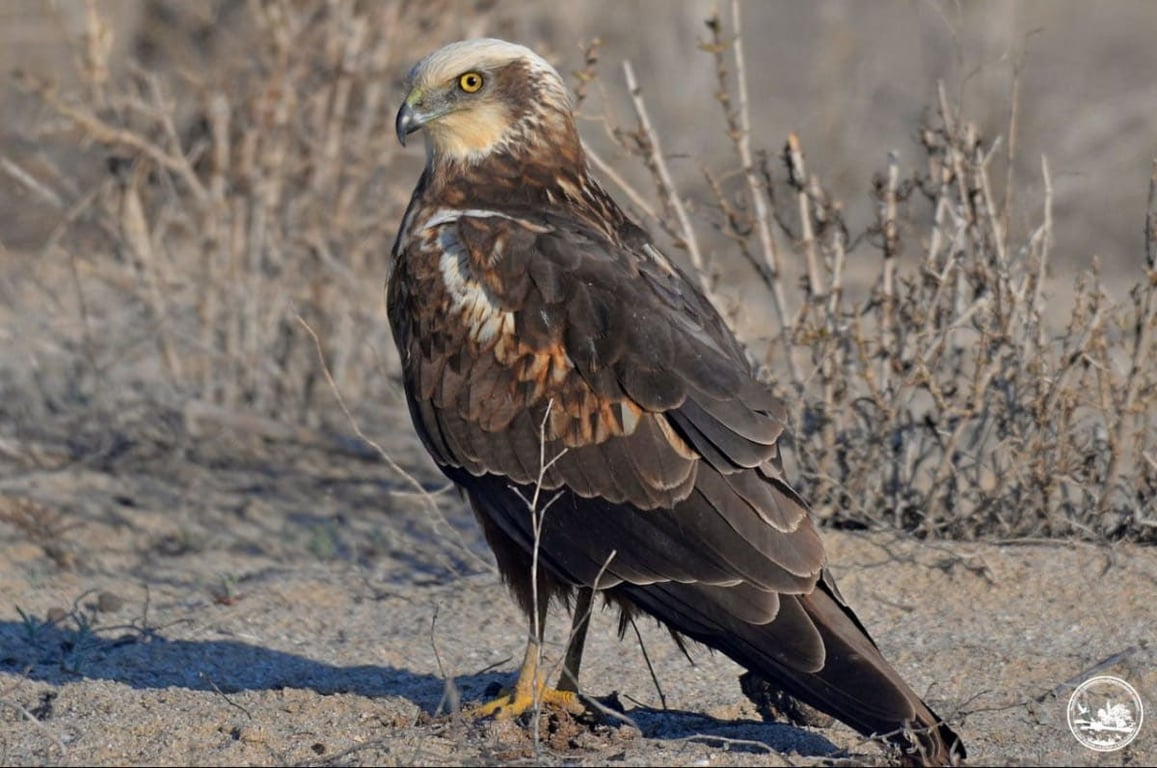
(530, 690)
(514, 703)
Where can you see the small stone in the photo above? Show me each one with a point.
(108, 602)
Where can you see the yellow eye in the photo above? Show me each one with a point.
(471, 82)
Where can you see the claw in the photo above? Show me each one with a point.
(530, 692)
(514, 703)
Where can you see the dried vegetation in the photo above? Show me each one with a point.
(248, 194)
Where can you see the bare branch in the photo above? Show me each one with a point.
(687, 231)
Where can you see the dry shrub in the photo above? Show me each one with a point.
(266, 188)
(945, 404)
(244, 194)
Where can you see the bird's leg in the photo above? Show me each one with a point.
(568, 680)
(530, 690)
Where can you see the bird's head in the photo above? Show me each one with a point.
(476, 98)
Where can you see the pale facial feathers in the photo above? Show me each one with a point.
(476, 97)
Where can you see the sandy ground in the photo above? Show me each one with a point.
(215, 602)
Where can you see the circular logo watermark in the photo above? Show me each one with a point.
(1105, 713)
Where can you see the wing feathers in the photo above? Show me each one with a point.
(726, 523)
(654, 389)
(728, 448)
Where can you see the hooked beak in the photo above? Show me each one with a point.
(407, 121)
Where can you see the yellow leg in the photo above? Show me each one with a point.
(530, 690)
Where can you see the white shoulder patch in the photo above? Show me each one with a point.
(445, 216)
(472, 301)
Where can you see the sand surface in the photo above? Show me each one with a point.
(202, 603)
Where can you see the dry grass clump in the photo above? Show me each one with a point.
(265, 189)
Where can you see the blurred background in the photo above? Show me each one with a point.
(852, 79)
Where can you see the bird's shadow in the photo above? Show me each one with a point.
(731, 735)
(61, 652)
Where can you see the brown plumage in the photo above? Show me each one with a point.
(547, 343)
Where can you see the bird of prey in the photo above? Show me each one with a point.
(599, 414)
